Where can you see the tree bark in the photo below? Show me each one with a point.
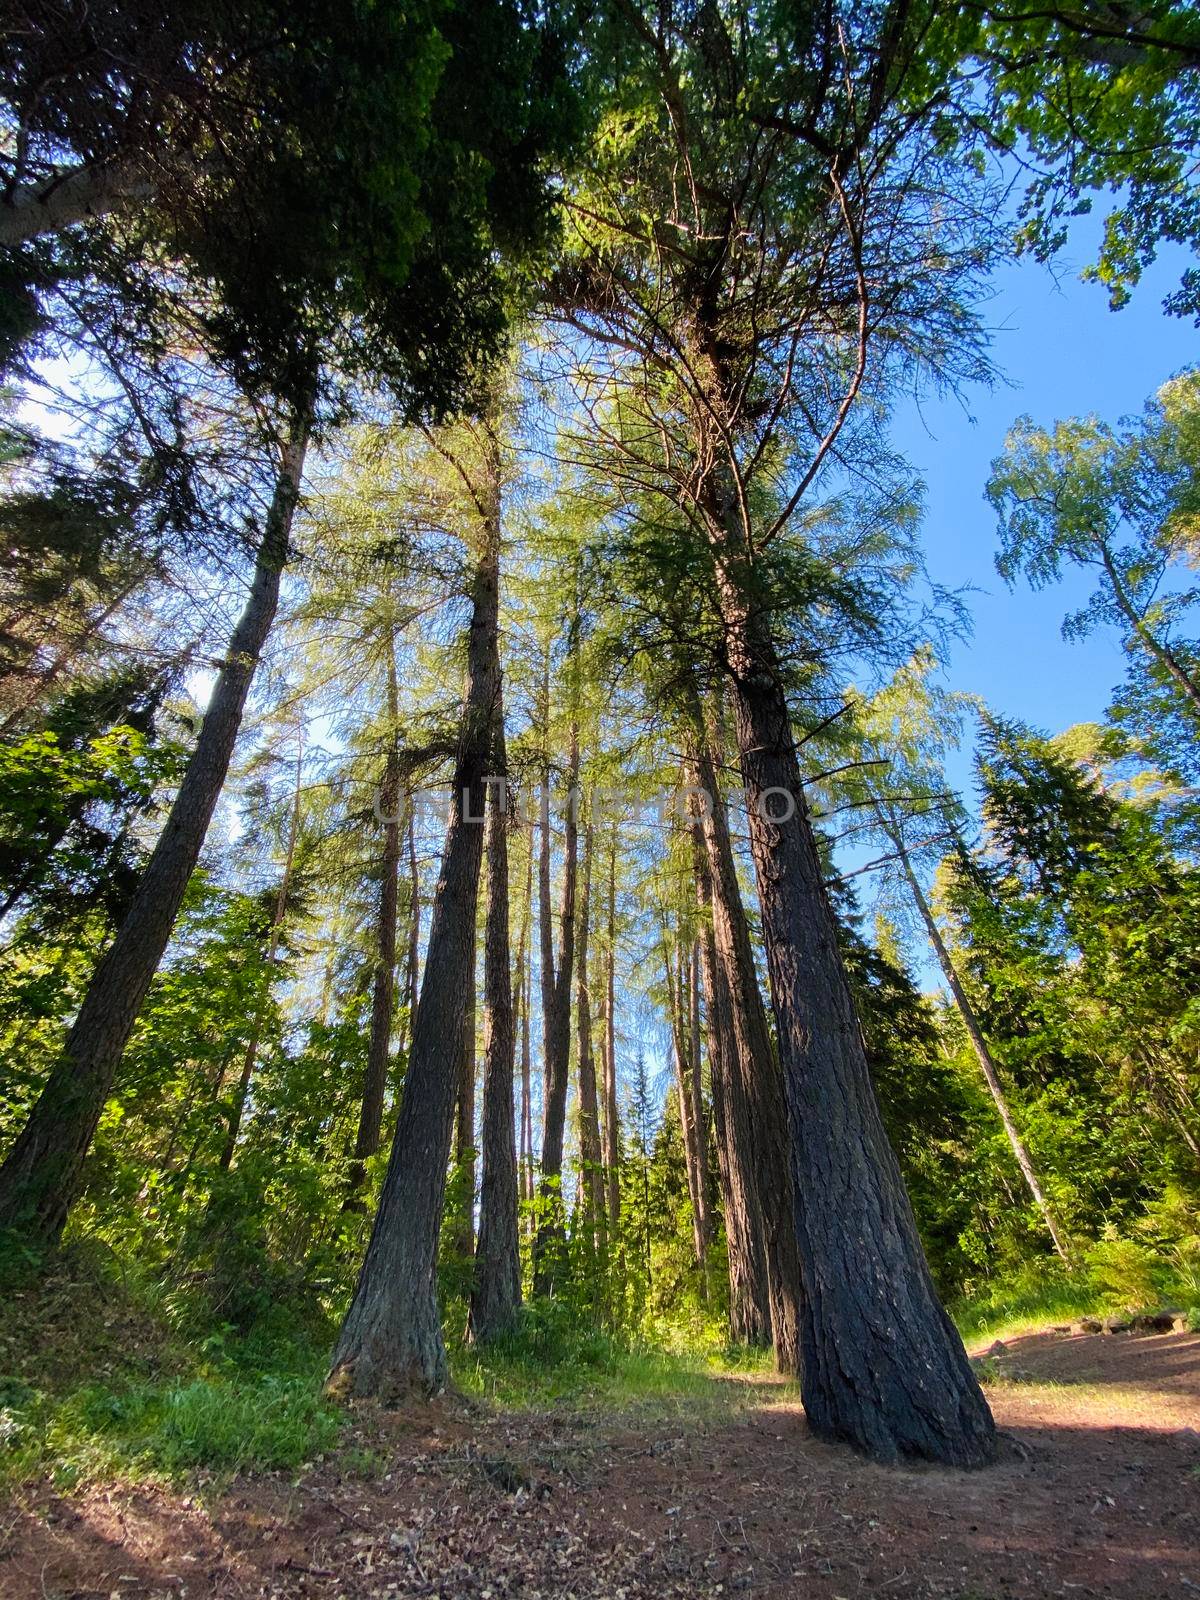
(391, 1340)
(978, 1043)
(61, 202)
(591, 1176)
(1159, 652)
(611, 1132)
(677, 1005)
(882, 1366)
(497, 1289)
(464, 1121)
(556, 1023)
(41, 1175)
(383, 985)
(756, 1113)
(521, 997)
(745, 1228)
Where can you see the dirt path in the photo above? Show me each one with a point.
(1101, 1498)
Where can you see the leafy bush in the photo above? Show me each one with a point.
(1125, 1273)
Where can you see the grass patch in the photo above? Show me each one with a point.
(546, 1362)
(1025, 1303)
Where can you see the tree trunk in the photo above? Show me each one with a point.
(756, 1114)
(238, 1109)
(745, 1229)
(412, 966)
(391, 1339)
(497, 1289)
(383, 987)
(677, 1002)
(464, 1120)
(612, 1121)
(62, 202)
(41, 1175)
(556, 1023)
(1159, 652)
(591, 1177)
(978, 1043)
(882, 1366)
(521, 999)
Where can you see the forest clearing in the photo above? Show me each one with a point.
(599, 822)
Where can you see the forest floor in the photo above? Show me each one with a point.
(1099, 1496)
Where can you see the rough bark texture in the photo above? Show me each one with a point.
(978, 1043)
(497, 1288)
(882, 1366)
(756, 1115)
(41, 1175)
(391, 1340)
(521, 999)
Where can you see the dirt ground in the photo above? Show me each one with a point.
(1100, 1496)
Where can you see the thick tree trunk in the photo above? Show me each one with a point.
(497, 1290)
(383, 984)
(41, 1175)
(591, 1176)
(250, 1059)
(556, 1022)
(412, 970)
(756, 1113)
(978, 1043)
(745, 1229)
(391, 1340)
(882, 1366)
(612, 1121)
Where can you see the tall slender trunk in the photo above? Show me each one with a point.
(882, 1366)
(383, 986)
(978, 1043)
(249, 1060)
(464, 1118)
(41, 1175)
(745, 1229)
(612, 1121)
(391, 1339)
(522, 998)
(678, 1007)
(1159, 652)
(497, 1288)
(592, 1179)
(756, 1113)
(556, 1012)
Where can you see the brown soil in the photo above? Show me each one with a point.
(1100, 1496)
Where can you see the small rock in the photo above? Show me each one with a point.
(1180, 1324)
(1061, 1327)
(1087, 1325)
(998, 1348)
(1117, 1324)
(1154, 1322)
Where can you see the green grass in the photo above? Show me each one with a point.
(547, 1362)
(1024, 1303)
(223, 1423)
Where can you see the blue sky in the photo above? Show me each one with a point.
(1063, 353)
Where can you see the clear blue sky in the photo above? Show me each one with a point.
(1064, 353)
